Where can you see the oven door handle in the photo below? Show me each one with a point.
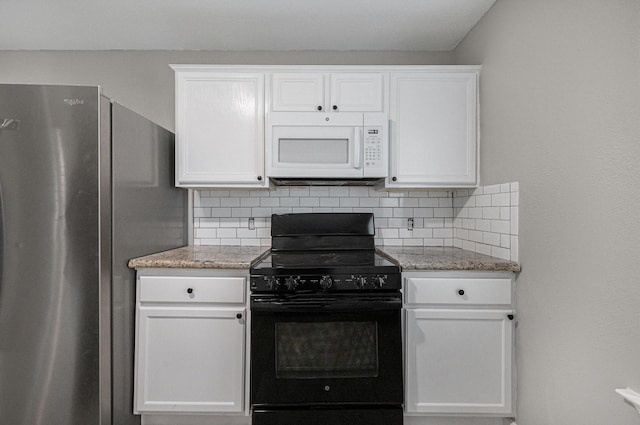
(311, 304)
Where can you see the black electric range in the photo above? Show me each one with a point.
(323, 252)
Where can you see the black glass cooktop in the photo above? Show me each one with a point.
(322, 259)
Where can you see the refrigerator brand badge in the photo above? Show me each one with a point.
(74, 102)
(9, 124)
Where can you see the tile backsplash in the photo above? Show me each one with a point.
(475, 219)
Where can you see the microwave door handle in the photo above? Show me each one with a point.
(358, 148)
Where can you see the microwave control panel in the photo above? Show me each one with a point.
(373, 148)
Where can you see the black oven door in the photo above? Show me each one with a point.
(326, 349)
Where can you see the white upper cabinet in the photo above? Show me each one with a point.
(433, 128)
(219, 129)
(333, 92)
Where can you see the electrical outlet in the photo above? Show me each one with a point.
(252, 223)
(410, 223)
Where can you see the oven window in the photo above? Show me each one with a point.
(326, 349)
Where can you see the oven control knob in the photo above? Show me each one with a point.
(326, 282)
(272, 282)
(379, 281)
(360, 281)
(292, 282)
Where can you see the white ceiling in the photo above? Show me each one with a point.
(410, 25)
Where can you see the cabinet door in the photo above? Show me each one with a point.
(433, 129)
(292, 92)
(190, 360)
(459, 361)
(357, 92)
(220, 129)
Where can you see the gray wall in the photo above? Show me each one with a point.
(143, 81)
(560, 106)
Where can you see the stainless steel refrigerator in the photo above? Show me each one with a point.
(85, 185)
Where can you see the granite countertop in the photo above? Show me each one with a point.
(444, 258)
(201, 257)
(408, 258)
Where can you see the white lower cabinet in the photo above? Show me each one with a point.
(190, 344)
(459, 344)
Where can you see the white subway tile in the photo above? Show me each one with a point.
(475, 236)
(229, 202)
(250, 242)
(359, 192)
(338, 191)
(445, 202)
(310, 202)
(515, 187)
(501, 200)
(299, 191)
(413, 242)
(329, 202)
(319, 191)
(261, 212)
(515, 199)
(241, 212)
(231, 242)
(433, 242)
(503, 253)
(209, 202)
(433, 222)
(207, 241)
(491, 213)
(505, 241)
(220, 212)
(506, 187)
(239, 194)
(428, 202)
(468, 223)
(499, 226)
(282, 210)
(249, 202)
(483, 249)
(476, 212)
(484, 225)
(389, 233)
(204, 233)
(246, 233)
(423, 233)
(408, 202)
(392, 242)
(423, 212)
(302, 210)
(457, 243)
(208, 222)
(369, 202)
(505, 213)
(515, 224)
(483, 201)
(443, 212)
(201, 212)
(227, 233)
(389, 202)
(468, 245)
(270, 202)
(403, 212)
(491, 189)
(443, 233)
(350, 202)
(490, 238)
(290, 202)
(514, 248)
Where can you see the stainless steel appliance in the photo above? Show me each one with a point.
(326, 344)
(348, 145)
(85, 185)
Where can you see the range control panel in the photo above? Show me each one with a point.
(328, 282)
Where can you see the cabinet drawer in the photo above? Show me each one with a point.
(192, 289)
(462, 291)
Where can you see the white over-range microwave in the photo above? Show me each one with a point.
(305, 145)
